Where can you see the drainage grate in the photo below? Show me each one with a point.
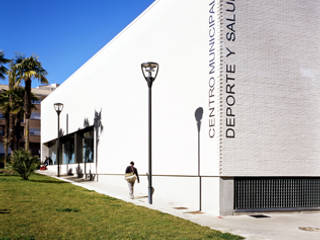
(141, 197)
(195, 212)
(310, 229)
(180, 208)
(259, 216)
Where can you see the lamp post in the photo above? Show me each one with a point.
(198, 115)
(58, 107)
(150, 72)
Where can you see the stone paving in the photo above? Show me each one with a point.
(276, 226)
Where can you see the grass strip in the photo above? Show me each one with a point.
(46, 208)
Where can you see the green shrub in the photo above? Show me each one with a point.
(24, 163)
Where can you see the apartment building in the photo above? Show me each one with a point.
(35, 127)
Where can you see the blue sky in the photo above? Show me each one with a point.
(63, 33)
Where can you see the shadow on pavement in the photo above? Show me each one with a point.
(47, 181)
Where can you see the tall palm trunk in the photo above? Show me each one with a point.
(11, 118)
(17, 128)
(27, 112)
(6, 139)
(11, 131)
(26, 134)
(11, 126)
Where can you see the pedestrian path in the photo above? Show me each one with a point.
(276, 226)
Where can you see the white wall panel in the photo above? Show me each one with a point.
(173, 33)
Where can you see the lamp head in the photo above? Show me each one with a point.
(58, 107)
(150, 71)
(198, 114)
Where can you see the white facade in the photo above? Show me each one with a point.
(252, 68)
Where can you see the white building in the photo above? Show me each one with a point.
(253, 68)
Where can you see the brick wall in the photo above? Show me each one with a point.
(274, 94)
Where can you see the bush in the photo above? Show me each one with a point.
(24, 163)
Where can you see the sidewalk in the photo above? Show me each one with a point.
(278, 226)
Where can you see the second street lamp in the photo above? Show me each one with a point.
(198, 115)
(150, 72)
(58, 107)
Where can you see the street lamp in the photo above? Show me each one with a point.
(58, 107)
(150, 72)
(198, 115)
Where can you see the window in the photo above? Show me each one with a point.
(51, 156)
(35, 115)
(36, 101)
(87, 146)
(2, 149)
(84, 145)
(1, 115)
(68, 150)
(35, 132)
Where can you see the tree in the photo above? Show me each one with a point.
(13, 72)
(5, 109)
(3, 72)
(12, 104)
(15, 116)
(17, 112)
(30, 68)
(3, 61)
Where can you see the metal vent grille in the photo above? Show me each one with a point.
(276, 193)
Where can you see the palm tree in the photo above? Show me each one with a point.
(5, 109)
(12, 103)
(13, 72)
(3, 71)
(30, 68)
(17, 112)
(14, 116)
(3, 61)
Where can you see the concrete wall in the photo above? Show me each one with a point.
(226, 195)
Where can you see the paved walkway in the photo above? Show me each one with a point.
(278, 226)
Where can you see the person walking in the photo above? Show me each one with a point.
(131, 175)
